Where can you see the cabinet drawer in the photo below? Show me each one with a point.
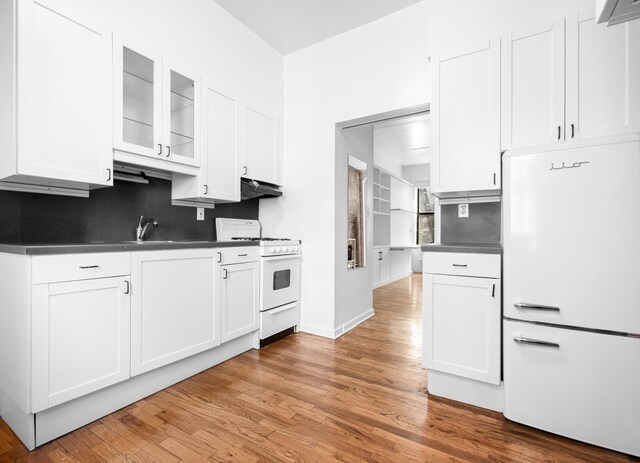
(237, 255)
(275, 320)
(71, 267)
(453, 263)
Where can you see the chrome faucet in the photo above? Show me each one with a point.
(142, 228)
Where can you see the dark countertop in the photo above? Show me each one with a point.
(117, 246)
(466, 248)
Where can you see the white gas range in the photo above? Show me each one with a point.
(279, 274)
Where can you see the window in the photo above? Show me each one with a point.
(425, 216)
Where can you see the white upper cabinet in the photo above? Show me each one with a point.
(156, 111)
(466, 120)
(261, 147)
(533, 85)
(218, 180)
(55, 79)
(403, 196)
(603, 77)
(570, 78)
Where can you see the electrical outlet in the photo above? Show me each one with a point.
(463, 210)
(200, 213)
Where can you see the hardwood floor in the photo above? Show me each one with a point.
(309, 399)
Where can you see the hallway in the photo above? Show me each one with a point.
(310, 399)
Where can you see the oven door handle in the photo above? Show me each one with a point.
(283, 308)
(274, 258)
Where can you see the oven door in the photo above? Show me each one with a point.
(280, 281)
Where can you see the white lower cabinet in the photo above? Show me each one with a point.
(462, 322)
(381, 266)
(238, 283)
(80, 338)
(173, 312)
(462, 319)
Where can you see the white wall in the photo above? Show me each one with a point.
(387, 163)
(200, 36)
(353, 295)
(417, 175)
(376, 68)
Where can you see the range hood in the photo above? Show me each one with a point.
(617, 11)
(250, 189)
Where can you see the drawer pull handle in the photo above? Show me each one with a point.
(128, 290)
(460, 265)
(168, 152)
(160, 147)
(84, 267)
(243, 255)
(525, 305)
(280, 309)
(493, 291)
(559, 132)
(219, 257)
(226, 274)
(536, 342)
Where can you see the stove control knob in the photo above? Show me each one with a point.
(277, 250)
(289, 249)
(271, 250)
(296, 249)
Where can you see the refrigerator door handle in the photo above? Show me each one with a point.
(535, 342)
(526, 305)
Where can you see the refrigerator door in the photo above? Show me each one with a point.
(581, 385)
(571, 235)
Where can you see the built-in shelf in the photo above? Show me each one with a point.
(381, 207)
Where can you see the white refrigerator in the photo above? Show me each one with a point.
(571, 319)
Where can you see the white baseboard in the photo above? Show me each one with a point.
(317, 330)
(465, 390)
(339, 330)
(20, 422)
(393, 280)
(351, 324)
(40, 428)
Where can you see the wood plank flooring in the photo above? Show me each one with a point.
(360, 398)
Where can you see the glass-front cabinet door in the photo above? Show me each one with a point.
(181, 116)
(156, 109)
(137, 101)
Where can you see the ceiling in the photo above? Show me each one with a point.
(290, 25)
(405, 140)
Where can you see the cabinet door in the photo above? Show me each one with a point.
(221, 137)
(377, 258)
(385, 266)
(64, 96)
(261, 160)
(137, 100)
(80, 338)
(173, 311)
(462, 326)
(533, 86)
(239, 298)
(603, 77)
(466, 119)
(181, 116)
